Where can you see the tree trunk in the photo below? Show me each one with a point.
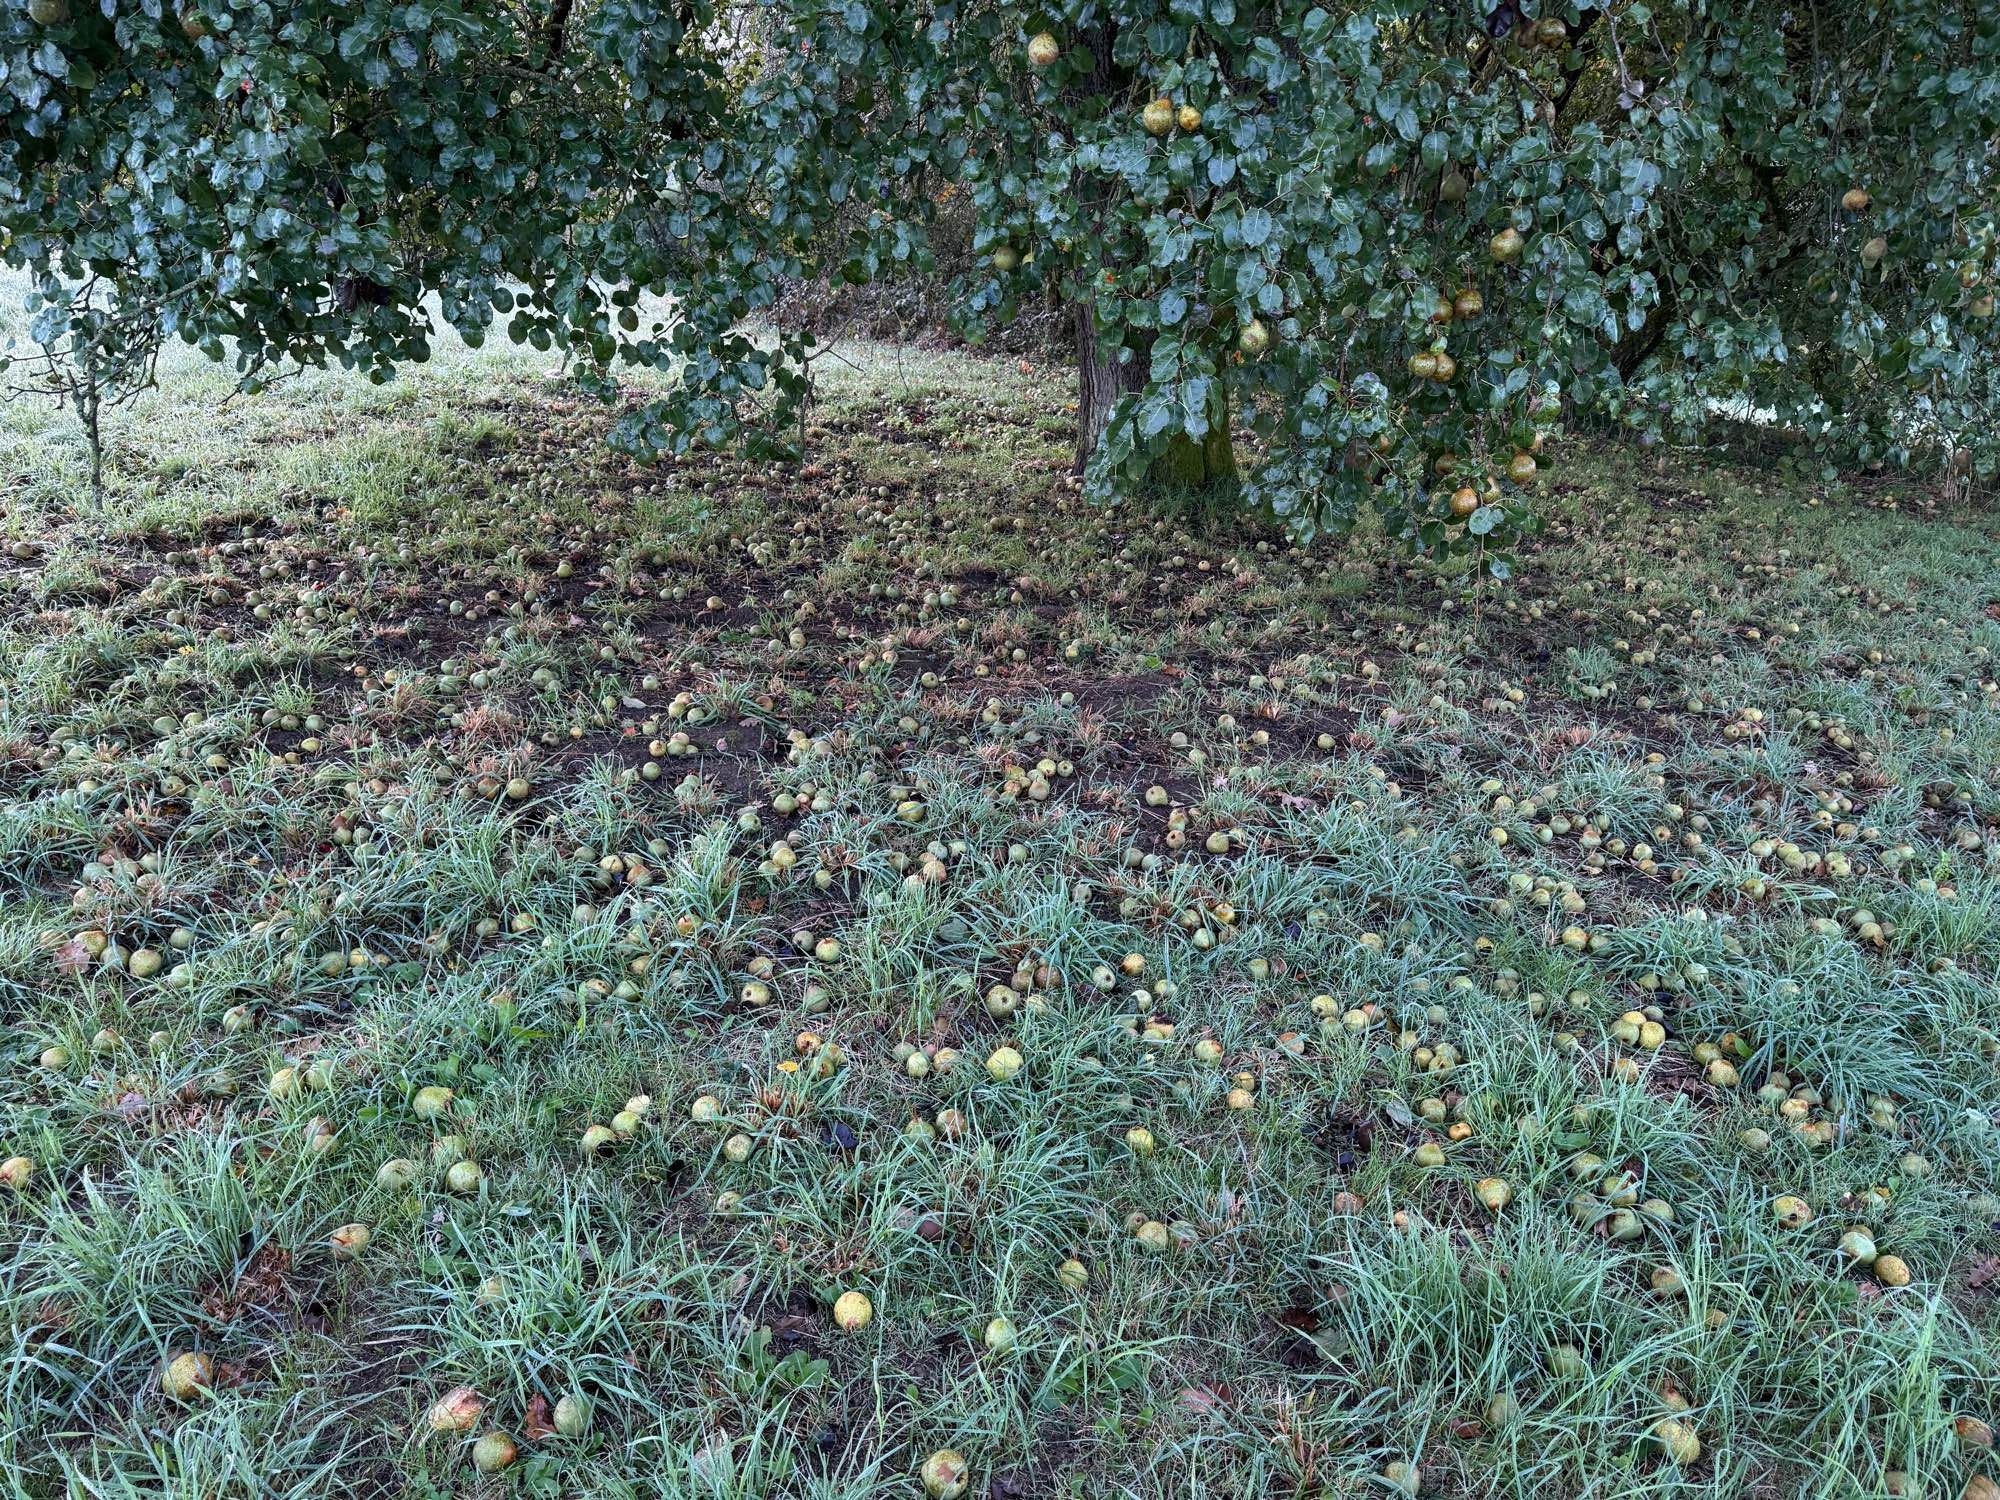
(1635, 348)
(1102, 381)
(88, 398)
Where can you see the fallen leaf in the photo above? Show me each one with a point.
(1302, 1318)
(536, 1424)
(1206, 1400)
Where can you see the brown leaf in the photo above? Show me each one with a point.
(536, 1424)
(73, 957)
(791, 1326)
(1205, 1400)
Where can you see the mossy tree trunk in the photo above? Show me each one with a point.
(1102, 381)
(1188, 466)
(1194, 465)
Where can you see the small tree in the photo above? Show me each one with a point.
(94, 350)
(1385, 243)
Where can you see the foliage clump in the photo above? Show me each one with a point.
(1388, 243)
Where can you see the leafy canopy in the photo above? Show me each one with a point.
(1388, 240)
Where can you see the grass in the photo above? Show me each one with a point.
(368, 740)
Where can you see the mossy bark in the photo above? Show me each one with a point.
(1189, 465)
(1100, 384)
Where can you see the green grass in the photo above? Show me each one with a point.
(816, 769)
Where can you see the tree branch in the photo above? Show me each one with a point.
(555, 33)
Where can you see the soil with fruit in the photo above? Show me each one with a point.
(525, 972)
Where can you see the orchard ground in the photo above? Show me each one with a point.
(1559, 1019)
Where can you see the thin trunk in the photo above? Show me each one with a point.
(90, 410)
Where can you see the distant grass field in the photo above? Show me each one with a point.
(497, 940)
